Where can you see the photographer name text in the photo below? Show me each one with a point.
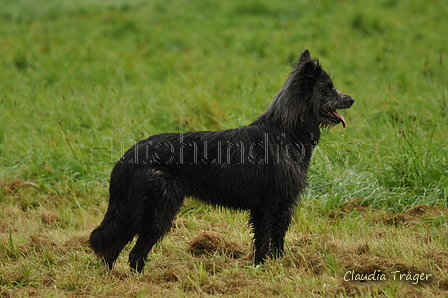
(377, 275)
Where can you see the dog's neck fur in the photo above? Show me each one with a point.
(293, 110)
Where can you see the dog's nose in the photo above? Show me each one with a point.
(352, 100)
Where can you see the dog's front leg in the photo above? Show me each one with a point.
(259, 225)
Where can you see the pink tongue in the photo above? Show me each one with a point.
(340, 117)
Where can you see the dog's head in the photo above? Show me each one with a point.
(326, 97)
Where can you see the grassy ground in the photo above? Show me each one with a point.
(81, 81)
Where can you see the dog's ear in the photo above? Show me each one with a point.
(312, 68)
(304, 57)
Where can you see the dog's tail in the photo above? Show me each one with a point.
(115, 231)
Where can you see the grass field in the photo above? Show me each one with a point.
(81, 81)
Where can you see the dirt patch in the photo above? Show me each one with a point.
(416, 214)
(38, 244)
(169, 275)
(209, 243)
(418, 210)
(425, 211)
(396, 219)
(77, 242)
(13, 186)
(49, 217)
(356, 205)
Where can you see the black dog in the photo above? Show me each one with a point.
(261, 167)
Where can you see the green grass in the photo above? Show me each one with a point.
(81, 81)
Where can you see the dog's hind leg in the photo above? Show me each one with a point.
(115, 231)
(108, 242)
(279, 221)
(258, 222)
(156, 218)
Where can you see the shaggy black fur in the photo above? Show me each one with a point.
(261, 167)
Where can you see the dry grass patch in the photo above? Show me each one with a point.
(44, 251)
(210, 243)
